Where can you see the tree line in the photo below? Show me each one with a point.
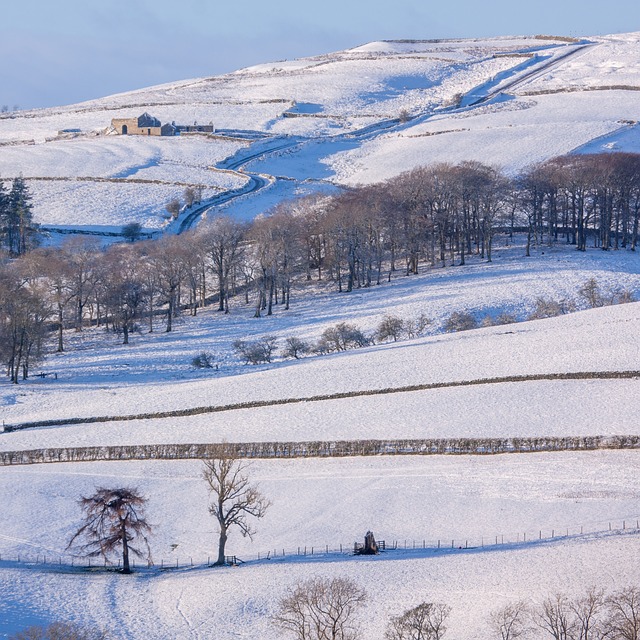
(331, 609)
(435, 215)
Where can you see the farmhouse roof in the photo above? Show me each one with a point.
(146, 120)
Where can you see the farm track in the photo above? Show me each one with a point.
(256, 404)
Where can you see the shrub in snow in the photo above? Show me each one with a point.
(506, 318)
(204, 360)
(341, 337)
(173, 208)
(591, 294)
(460, 321)
(623, 297)
(132, 231)
(547, 308)
(256, 351)
(415, 327)
(295, 347)
(395, 328)
(502, 318)
(391, 327)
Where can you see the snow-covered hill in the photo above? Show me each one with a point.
(355, 116)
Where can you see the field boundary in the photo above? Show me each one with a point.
(53, 561)
(255, 404)
(320, 449)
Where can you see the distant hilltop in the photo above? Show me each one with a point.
(148, 125)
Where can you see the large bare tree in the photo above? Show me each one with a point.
(623, 619)
(113, 519)
(234, 499)
(510, 621)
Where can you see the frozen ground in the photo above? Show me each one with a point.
(317, 502)
(504, 101)
(546, 97)
(471, 501)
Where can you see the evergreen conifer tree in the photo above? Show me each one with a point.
(19, 232)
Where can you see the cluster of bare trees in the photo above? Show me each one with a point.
(339, 337)
(192, 195)
(324, 609)
(590, 295)
(581, 195)
(433, 215)
(594, 615)
(328, 609)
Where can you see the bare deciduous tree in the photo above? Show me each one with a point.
(390, 327)
(587, 612)
(341, 337)
(222, 239)
(424, 622)
(256, 351)
(590, 293)
(460, 321)
(233, 498)
(189, 196)
(623, 619)
(295, 347)
(173, 208)
(555, 617)
(321, 609)
(113, 519)
(509, 622)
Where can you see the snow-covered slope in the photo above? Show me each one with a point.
(355, 116)
(507, 100)
(99, 376)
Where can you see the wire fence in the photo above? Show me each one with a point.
(404, 547)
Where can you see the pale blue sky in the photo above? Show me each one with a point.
(56, 52)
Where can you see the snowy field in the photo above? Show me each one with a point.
(327, 502)
(509, 101)
(464, 500)
(99, 376)
(356, 116)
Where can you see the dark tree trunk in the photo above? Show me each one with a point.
(222, 541)
(125, 552)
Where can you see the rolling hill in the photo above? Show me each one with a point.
(473, 531)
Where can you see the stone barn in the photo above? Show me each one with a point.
(144, 125)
